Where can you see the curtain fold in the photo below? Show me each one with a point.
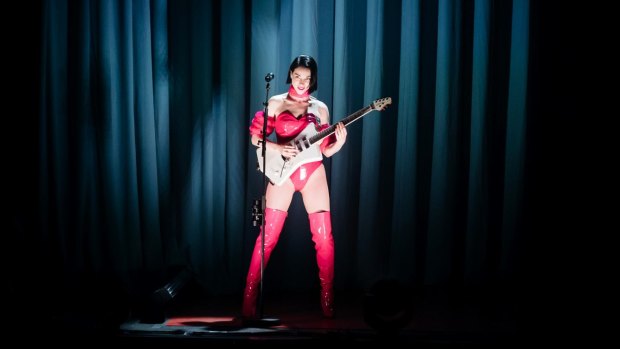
(370, 238)
(516, 139)
(403, 244)
(478, 190)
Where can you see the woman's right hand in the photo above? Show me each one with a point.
(288, 151)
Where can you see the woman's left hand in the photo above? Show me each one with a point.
(341, 136)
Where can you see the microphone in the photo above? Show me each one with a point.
(269, 77)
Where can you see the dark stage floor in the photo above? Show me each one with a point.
(431, 318)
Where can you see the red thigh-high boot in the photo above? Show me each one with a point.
(274, 221)
(321, 228)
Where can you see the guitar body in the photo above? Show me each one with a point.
(308, 142)
(278, 168)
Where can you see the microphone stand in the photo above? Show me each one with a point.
(262, 321)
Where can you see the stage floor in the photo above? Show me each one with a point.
(195, 318)
(434, 320)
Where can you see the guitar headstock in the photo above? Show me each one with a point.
(382, 103)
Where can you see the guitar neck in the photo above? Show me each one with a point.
(346, 121)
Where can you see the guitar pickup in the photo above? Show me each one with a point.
(302, 144)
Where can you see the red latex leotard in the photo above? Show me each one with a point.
(287, 128)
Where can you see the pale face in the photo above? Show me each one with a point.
(300, 79)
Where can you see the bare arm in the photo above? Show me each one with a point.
(341, 133)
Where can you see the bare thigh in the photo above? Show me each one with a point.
(279, 197)
(316, 193)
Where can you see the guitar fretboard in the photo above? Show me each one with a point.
(346, 121)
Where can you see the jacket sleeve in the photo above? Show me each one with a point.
(256, 127)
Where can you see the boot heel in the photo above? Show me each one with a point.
(327, 301)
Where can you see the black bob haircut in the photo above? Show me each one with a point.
(307, 62)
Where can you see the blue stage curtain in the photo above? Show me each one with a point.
(144, 160)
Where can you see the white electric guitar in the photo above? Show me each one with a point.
(308, 143)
